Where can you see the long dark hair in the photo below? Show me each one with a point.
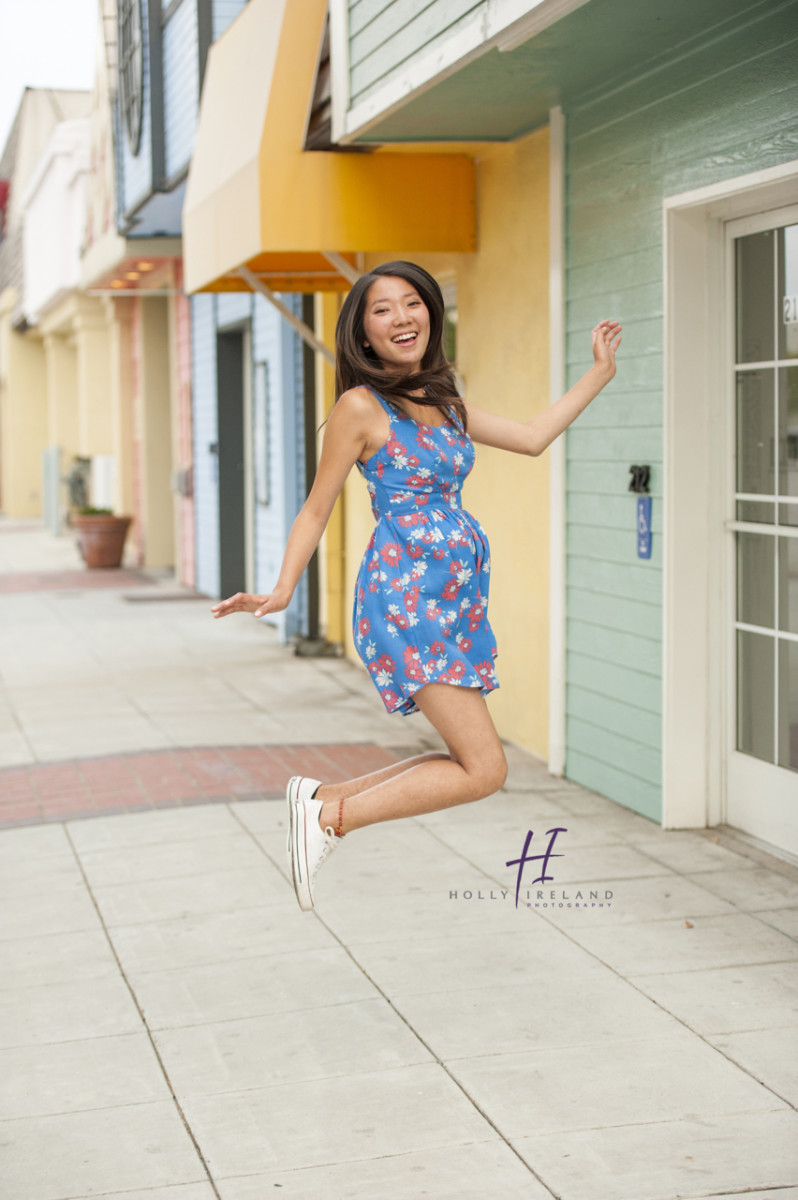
(358, 366)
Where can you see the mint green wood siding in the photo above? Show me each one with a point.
(719, 109)
(385, 34)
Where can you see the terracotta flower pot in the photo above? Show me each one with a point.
(101, 539)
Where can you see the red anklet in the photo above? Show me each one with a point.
(340, 830)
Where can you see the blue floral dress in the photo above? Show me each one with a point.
(421, 597)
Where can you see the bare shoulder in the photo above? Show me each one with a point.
(358, 402)
(357, 406)
(359, 411)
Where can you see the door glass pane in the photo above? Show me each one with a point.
(788, 431)
(788, 584)
(755, 297)
(755, 698)
(756, 579)
(788, 292)
(755, 432)
(757, 510)
(788, 705)
(766, 309)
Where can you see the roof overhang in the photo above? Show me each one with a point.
(257, 199)
(494, 84)
(140, 275)
(111, 259)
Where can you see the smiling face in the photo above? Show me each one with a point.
(396, 323)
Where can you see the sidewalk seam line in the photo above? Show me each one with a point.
(143, 1020)
(626, 979)
(417, 1035)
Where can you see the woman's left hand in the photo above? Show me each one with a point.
(606, 340)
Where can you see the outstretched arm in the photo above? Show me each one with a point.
(345, 437)
(534, 436)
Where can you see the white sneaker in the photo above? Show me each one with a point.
(302, 788)
(310, 846)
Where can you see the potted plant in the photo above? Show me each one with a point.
(101, 536)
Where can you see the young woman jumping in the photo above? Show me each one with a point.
(421, 597)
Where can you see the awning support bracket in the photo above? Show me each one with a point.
(303, 329)
(350, 273)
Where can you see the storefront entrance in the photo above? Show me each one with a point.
(730, 623)
(235, 458)
(762, 773)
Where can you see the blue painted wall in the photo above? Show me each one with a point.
(135, 171)
(181, 85)
(225, 11)
(181, 90)
(275, 343)
(205, 433)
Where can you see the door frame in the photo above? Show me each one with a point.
(698, 443)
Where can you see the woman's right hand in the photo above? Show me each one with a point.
(606, 340)
(260, 606)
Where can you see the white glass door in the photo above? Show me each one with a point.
(762, 776)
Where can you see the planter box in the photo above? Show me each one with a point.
(101, 539)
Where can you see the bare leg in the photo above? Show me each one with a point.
(351, 787)
(475, 768)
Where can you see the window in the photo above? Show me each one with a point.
(131, 69)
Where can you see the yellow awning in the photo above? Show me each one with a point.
(255, 198)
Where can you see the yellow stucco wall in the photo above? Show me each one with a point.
(334, 616)
(357, 525)
(76, 342)
(62, 396)
(23, 417)
(504, 359)
(503, 338)
(153, 424)
(119, 315)
(94, 376)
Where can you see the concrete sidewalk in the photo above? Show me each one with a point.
(90, 669)
(174, 1028)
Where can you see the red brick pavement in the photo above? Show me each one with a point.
(68, 581)
(94, 787)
